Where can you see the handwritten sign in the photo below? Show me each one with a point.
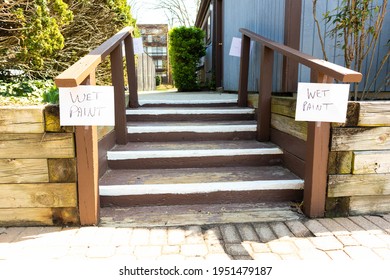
(322, 102)
(138, 45)
(235, 47)
(87, 105)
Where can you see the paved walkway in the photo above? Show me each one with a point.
(356, 238)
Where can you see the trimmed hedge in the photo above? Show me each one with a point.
(186, 47)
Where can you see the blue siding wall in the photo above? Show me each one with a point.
(264, 17)
(310, 43)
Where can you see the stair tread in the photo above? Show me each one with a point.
(196, 175)
(191, 123)
(189, 110)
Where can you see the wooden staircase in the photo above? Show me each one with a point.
(195, 153)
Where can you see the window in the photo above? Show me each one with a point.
(158, 63)
(150, 38)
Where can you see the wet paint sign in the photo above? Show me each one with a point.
(322, 102)
(87, 105)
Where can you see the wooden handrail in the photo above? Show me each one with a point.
(79, 71)
(335, 71)
(317, 144)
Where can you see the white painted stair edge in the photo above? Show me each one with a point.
(193, 188)
(189, 111)
(125, 155)
(191, 128)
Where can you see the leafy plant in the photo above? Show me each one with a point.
(186, 47)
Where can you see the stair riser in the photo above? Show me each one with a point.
(190, 117)
(190, 136)
(204, 198)
(197, 162)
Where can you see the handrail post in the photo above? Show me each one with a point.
(244, 71)
(316, 166)
(131, 74)
(119, 92)
(265, 92)
(88, 169)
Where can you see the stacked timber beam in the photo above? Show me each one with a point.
(37, 168)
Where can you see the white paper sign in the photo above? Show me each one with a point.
(138, 45)
(87, 105)
(322, 102)
(235, 48)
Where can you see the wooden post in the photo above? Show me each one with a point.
(131, 74)
(87, 170)
(119, 91)
(316, 166)
(265, 92)
(244, 71)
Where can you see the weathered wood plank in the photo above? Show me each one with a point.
(369, 204)
(26, 216)
(102, 131)
(340, 163)
(38, 146)
(52, 120)
(62, 170)
(23, 171)
(374, 113)
(289, 126)
(337, 206)
(358, 185)
(352, 115)
(38, 195)
(284, 106)
(371, 162)
(360, 138)
(22, 120)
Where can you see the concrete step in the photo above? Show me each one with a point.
(190, 114)
(187, 154)
(188, 131)
(199, 186)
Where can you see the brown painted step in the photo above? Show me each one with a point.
(187, 154)
(199, 186)
(190, 114)
(191, 131)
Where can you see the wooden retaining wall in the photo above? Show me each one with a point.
(37, 168)
(359, 158)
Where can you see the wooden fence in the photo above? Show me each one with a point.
(146, 73)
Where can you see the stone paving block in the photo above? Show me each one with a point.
(194, 235)
(230, 234)
(176, 236)
(314, 255)
(348, 224)
(174, 257)
(100, 251)
(365, 224)
(124, 250)
(303, 244)
(236, 250)
(216, 248)
(247, 232)
(282, 247)
(242, 258)
(143, 251)
(121, 237)
(334, 227)
(348, 240)
(194, 250)
(290, 257)
(385, 238)
(83, 236)
(386, 217)
(218, 257)
(103, 236)
(338, 255)
(78, 251)
(298, 228)
(369, 240)
(326, 243)
(266, 257)
(264, 232)
(158, 236)
(380, 222)
(11, 234)
(384, 253)
(140, 236)
(281, 230)
(171, 250)
(46, 252)
(196, 259)
(212, 235)
(316, 228)
(361, 253)
(260, 247)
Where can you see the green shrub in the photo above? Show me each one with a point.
(186, 47)
(158, 81)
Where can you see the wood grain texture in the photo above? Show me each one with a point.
(284, 106)
(289, 126)
(26, 216)
(52, 120)
(23, 171)
(62, 170)
(374, 113)
(340, 162)
(358, 185)
(360, 205)
(371, 162)
(360, 138)
(38, 195)
(22, 120)
(38, 146)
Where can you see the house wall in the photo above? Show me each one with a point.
(261, 16)
(38, 180)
